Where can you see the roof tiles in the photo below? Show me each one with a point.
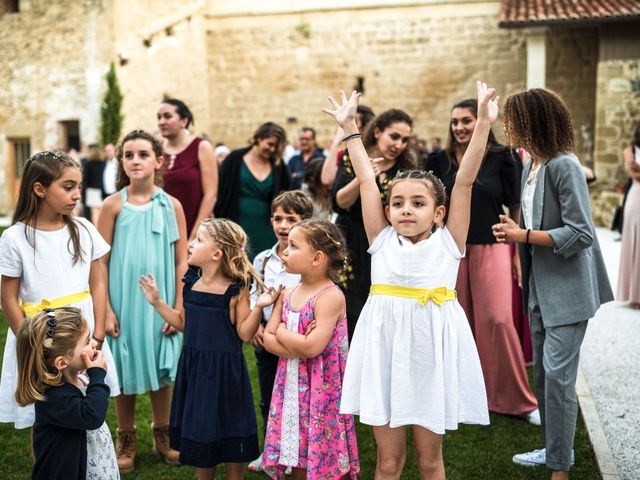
(520, 13)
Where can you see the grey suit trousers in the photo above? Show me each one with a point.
(556, 351)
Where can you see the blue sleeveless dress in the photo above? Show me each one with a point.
(143, 242)
(212, 415)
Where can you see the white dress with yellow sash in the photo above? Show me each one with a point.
(47, 273)
(413, 361)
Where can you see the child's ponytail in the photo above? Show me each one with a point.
(41, 339)
(231, 239)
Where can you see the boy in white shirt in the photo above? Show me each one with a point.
(287, 209)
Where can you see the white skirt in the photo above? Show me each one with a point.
(414, 365)
(24, 417)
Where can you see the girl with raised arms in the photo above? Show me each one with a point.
(413, 360)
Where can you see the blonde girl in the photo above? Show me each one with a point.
(49, 258)
(70, 437)
(147, 231)
(212, 416)
(308, 330)
(413, 361)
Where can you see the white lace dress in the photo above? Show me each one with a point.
(101, 455)
(412, 364)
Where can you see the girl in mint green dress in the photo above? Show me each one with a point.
(147, 231)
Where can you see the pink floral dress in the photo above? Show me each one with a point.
(305, 428)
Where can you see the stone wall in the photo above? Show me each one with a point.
(419, 58)
(50, 70)
(617, 110)
(161, 52)
(572, 60)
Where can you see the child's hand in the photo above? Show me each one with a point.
(487, 106)
(111, 324)
(381, 165)
(149, 287)
(168, 330)
(269, 297)
(506, 231)
(96, 361)
(258, 338)
(345, 114)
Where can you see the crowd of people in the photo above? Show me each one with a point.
(390, 278)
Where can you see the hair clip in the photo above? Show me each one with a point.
(51, 329)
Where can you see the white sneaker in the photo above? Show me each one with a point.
(536, 458)
(256, 465)
(533, 417)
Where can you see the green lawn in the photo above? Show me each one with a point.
(472, 452)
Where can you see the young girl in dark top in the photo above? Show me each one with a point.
(53, 347)
(212, 415)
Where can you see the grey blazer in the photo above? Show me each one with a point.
(571, 281)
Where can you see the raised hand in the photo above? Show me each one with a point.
(96, 361)
(269, 297)
(506, 231)
(149, 287)
(345, 113)
(487, 105)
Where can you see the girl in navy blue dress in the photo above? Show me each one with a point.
(212, 415)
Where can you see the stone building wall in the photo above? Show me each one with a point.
(50, 71)
(161, 51)
(572, 60)
(419, 58)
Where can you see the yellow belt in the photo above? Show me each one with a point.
(30, 309)
(437, 295)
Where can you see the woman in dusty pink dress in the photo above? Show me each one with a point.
(629, 273)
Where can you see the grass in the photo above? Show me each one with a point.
(472, 452)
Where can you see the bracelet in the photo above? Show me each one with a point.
(528, 232)
(97, 339)
(352, 136)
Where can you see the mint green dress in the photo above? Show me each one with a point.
(255, 210)
(144, 241)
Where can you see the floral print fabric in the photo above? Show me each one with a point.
(327, 446)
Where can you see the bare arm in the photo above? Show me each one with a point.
(460, 204)
(330, 165)
(349, 194)
(98, 289)
(209, 180)
(172, 316)
(514, 214)
(9, 291)
(271, 343)
(328, 309)
(372, 210)
(106, 226)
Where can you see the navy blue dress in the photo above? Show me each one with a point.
(212, 415)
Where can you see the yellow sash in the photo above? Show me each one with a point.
(30, 309)
(437, 295)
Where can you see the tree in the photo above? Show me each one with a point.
(110, 116)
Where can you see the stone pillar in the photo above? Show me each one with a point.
(536, 57)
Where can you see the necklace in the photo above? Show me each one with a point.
(172, 159)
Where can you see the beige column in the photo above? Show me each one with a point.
(536, 57)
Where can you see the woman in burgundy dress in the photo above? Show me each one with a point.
(191, 171)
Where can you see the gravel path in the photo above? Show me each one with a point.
(610, 362)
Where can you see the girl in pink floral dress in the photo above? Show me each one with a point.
(308, 330)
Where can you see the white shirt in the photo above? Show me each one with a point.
(273, 275)
(528, 192)
(109, 175)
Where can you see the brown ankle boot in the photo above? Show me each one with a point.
(161, 445)
(126, 450)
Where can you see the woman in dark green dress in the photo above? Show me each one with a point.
(250, 178)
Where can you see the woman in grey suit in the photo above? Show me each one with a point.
(563, 274)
